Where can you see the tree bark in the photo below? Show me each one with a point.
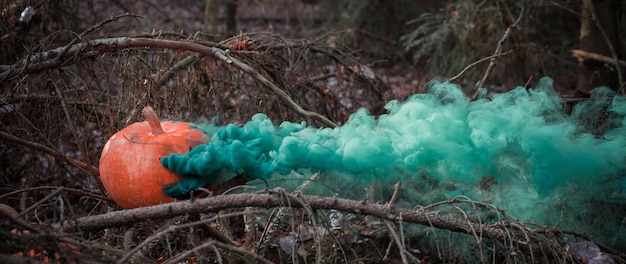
(594, 73)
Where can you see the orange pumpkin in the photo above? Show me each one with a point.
(130, 169)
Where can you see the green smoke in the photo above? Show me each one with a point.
(523, 139)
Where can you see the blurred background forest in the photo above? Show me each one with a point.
(330, 57)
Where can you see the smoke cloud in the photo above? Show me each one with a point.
(537, 156)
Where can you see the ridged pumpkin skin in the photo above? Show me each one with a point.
(130, 169)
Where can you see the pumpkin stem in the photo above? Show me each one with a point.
(153, 120)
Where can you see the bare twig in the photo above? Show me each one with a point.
(45, 199)
(231, 184)
(527, 84)
(166, 76)
(173, 228)
(396, 193)
(586, 55)
(221, 54)
(21, 98)
(609, 43)
(473, 64)
(396, 238)
(276, 218)
(250, 229)
(464, 199)
(227, 247)
(67, 189)
(9, 213)
(68, 117)
(95, 27)
(492, 61)
(54, 153)
(47, 60)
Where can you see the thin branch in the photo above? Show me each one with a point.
(54, 153)
(553, 230)
(492, 61)
(620, 77)
(45, 199)
(165, 77)
(46, 60)
(91, 29)
(172, 229)
(7, 212)
(452, 79)
(276, 218)
(21, 98)
(221, 54)
(227, 247)
(396, 238)
(68, 118)
(396, 193)
(67, 189)
(566, 8)
(586, 55)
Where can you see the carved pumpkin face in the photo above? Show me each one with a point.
(130, 169)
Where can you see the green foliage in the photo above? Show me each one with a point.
(372, 26)
(466, 31)
(450, 39)
(435, 35)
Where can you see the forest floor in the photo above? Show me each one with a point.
(349, 235)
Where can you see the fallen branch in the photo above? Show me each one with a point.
(265, 199)
(586, 55)
(279, 198)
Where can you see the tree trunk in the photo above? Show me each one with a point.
(211, 15)
(231, 17)
(594, 73)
